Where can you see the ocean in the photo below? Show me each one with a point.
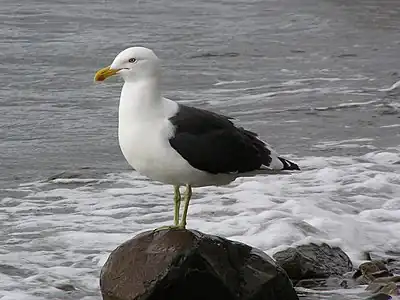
(315, 78)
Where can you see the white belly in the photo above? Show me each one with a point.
(146, 148)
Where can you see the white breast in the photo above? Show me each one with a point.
(144, 131)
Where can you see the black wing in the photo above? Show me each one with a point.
(212, 143)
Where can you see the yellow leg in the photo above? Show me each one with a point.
(188, 195)
(177, 203)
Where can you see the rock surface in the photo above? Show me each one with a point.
(323, 283)
(390, 259)
(370, 270)
(313, 261)
(381, 282)
(185, 264)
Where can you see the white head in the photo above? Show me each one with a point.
(133, 64)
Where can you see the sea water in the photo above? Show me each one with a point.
(318, 80)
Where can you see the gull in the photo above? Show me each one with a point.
(177, 144)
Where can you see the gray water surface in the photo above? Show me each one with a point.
(54, 118)
(299, 72)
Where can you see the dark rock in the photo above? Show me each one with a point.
(313, 261)
(370, 270)
(389, 288)
(326, 283)
(372, 267)
(381, 288)
(379, 296)
(394, 267)
(382, 273)
(186, 264)
(391, 259)
(312, 283)
(388, 279)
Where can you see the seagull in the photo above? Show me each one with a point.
(180, 145)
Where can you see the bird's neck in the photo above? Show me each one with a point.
(140, 99)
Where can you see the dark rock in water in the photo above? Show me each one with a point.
(391, 259)
(379, 296)
(381, 288)
(394, 267)
(312, 283)
(370, 270)
(372, 267)
(313, 261)
(380, 280)
(326, 283)
(186, 264)
(388, 287)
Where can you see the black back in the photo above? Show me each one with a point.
(212, 143)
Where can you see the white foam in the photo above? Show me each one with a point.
(390, 126)
(221, 82)
(391, 88)
(65, 233)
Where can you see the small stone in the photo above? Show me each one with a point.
(367, 272)
(370, 267)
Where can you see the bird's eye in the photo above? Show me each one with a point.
(132, 60)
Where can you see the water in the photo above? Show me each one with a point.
(313, 77)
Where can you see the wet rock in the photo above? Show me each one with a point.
(372, 267)
(325, 283)
(370, 270)
(394, 268)
(379, 296)
(186, 264)
(388, 288)
(384, 287)
(391, 259)
(311, 283)
(313, 261)
(395, 279)
(380, 280)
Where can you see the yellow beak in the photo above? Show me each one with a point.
(104, 73)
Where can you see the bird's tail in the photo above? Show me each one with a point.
(288, 165)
